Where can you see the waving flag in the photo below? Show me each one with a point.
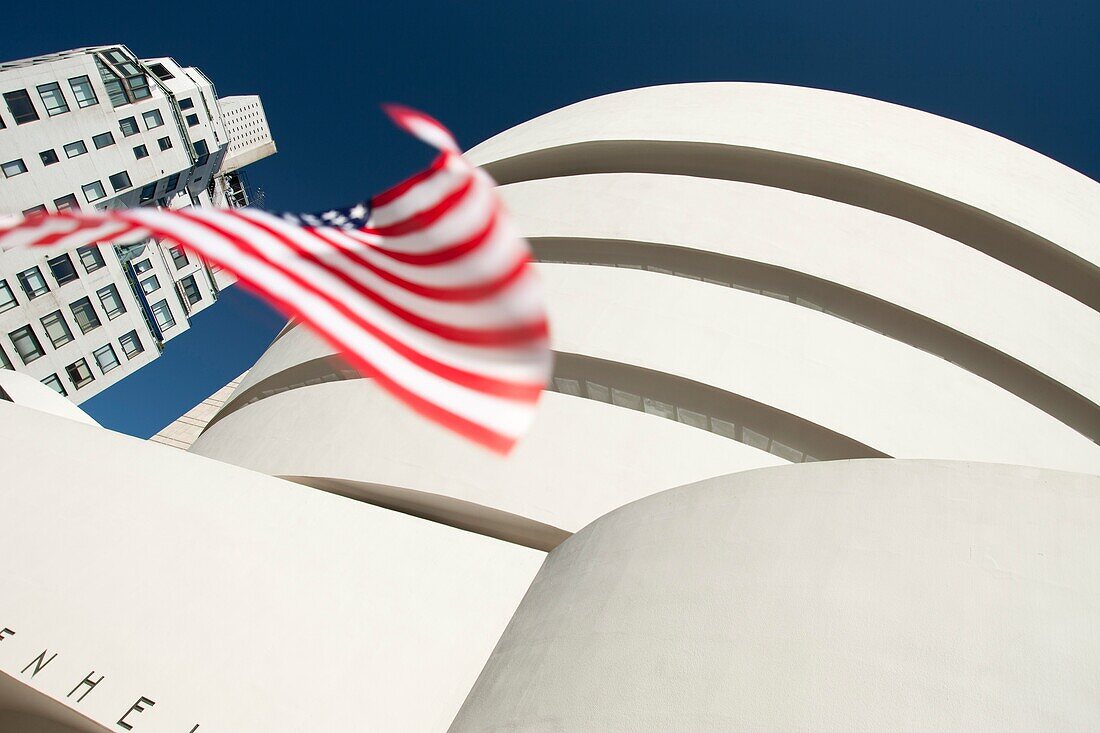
(427, 288)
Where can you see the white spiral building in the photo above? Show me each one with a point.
(739, 275)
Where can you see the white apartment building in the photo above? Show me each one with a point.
(98, 127)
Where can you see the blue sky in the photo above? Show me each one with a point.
(1024, 70)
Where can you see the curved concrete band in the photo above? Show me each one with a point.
(850, 596)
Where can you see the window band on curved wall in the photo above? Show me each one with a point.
(848, 304)
(1000, 239)
(630, 387)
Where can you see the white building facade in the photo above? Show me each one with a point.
(98, 127)
(820, 453)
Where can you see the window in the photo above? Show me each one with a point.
(85, 315)
(26, 344)
(190, 290)
(48, 157)
(128, 126)
(162, 314)
(32, 282)
(139, 86)
(62, 269)
(111, 301)
(131, 344)
(165, 143)
(93, 191)
(161, 71)
(186, 103)
(91, 258)
(55, 384)
(2, 125)
(5, 362)
(115, 91)
(57, 330)
(150, 284)
(120, 181)
(34, 210)
(79, 373)
(202, 152)
(65, 203)
(626, 399)
(83, 91)
(179, 257)
(75, 149)
(192, 120)
(172, 182)
(103, 140)
(106, 358)
(140, 151)
(148, 192)
(14, 167)
(755, 439)
(53, 99)
(7, 297)
(21, 107)
(152, 119)
(142, 266)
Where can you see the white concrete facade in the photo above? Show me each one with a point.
(98, 127)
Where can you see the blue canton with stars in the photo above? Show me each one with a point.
(351, 217)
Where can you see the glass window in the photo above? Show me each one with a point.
(103, 140)
(62, 269)
(65, 203)
(115, 91)
(111, 302)
(140, 151)
(79, 373)
(568, 386)
(55, 384)
(57, 330)
(26, 344)
(148, 192)
(692, 418)
(162, 314)
(152, 119)
(14, 167)
(7, 297)
(91, 258)
(191, 290)
(139, 85)
(32, 282)
(186, 103)
(106, 358)
(120, 181)
(165, 143)
(150, 284)
(34, 210)
(755, 439)
(626, 399)
(598, 392)
(85, 315)
(83, 91)
(53, 99)
(131, 344)
(48, 157)
(179, 256)
(202, 152)
(129, 126)
(786, 452)
(21, 106)
(656, 407)
(192, 120)
(94, 191)
(5, 362)
(172, 182)
(2, 125)
(161, 71)
(75, 148)
(142, 266)
(724, 428)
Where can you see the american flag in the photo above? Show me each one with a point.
(426, 287)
